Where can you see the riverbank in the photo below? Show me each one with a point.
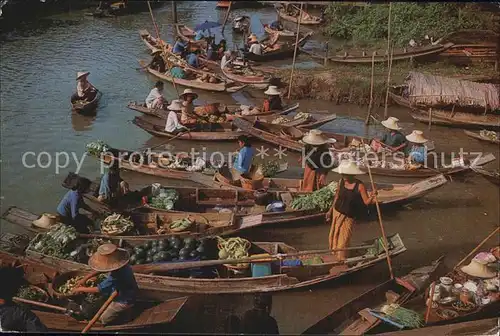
(350, 84)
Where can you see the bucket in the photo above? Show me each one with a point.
(250, 184)
(261, 197)
(261, 270)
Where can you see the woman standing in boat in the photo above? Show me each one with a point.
(318, 160)
(392, 140)
(84, 90)
(112, 186)
(273, 102)
(110, 258)
(68, 210)
(244, 159)
(350, 198)
(187, 114)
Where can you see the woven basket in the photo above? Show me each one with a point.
(252, 184)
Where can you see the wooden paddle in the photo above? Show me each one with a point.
(101, 310)
(193, 264)
(44, 305)
(478, 247)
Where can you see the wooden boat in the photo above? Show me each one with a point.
(233, 109)
(147, 314)
(470, 53)
(285, 51)
(187, 35)
(348, 319)
(194, 83)
(449, 118)
(260, 80)
(283, 277)
(492, 176)
(306, 19)
(86, 108)
(200, 132)
(282, 33)
(288, 137)
(416, 53)
(484, 327)
(481, 137)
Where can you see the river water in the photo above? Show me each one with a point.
(37, 77)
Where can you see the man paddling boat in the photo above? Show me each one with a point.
(157, 63)
(392, 140)
(84, 90)
(173, 125)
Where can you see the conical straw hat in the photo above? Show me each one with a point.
(81, 74)
(391, 123)
(348, 167)
(272, 91)
(175, 105)
(416, 137)
(189, 91)
(108, 257)
(479, 269)
(315, 138)
(45, 221)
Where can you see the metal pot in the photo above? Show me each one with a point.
(261, 197)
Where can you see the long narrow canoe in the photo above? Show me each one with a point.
(262, 81)
(288, 137)
(481, 137)
(347, 319)
(187, 35)
(306, 19)
(492, 176)
(417, 53)
(147, 314)
(282, 33)
(449, 118)
(285, 51)
(484, 327)
(86, 108)
(283, 277)
(202, 132)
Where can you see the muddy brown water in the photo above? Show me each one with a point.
(37, 78)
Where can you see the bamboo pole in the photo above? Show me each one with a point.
(295, 51)
(429, 306)
(101, 310)
(389, 32)
(367, 120)
(227, 16)
(478, 246)
(154, 22)
(379, 213)
(430, 117)
(41, 304)
(388, 83)
(174, 11)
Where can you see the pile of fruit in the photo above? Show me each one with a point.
(492, 135)
(299, 115)
(71, 283)
(116, 224)
(174, 249)
(280, 120)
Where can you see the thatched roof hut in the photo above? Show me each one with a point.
(442, 91)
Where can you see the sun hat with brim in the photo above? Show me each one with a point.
(479, 269)
(272, 91)
(416, 137)
(189, 91)
(108, 257)
(45, 221)
(81, 74)
(348, 167)
(315, 138)
(391, 123)
(175, 105)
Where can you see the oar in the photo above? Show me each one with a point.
(99, 313)
(494, 233)
(193, 264)
(44, 305)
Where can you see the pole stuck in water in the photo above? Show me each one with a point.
(227, 16)
(388, 84)
(295, 50)
(367, 120)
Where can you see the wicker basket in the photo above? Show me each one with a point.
(252, 184)
(60, 280)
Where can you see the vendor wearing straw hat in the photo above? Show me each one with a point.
(110, 258)
(273, 102)
(393, 139)
(155, 99)
(172, 125)
(157, 62)
(417, 152)
(318, 160)
(255, 46)
(112, 186)
(84, 90)
(349, 197)
(187, 114)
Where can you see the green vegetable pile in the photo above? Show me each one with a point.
(68, 286)
(321, 199)
(55, 242)
(116, 224)
(95, 148)
(406, 317)
(181, 224)
(165, 200)
(30, 293)
(270, 168)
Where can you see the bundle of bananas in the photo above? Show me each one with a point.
(233, 248)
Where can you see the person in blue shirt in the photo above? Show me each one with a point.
(68, 210)
(179, 46)
(110, 258)
(244, 159)
(276, 25)
(193, 60)
(112, 186)
(417, 152)
(200, 35)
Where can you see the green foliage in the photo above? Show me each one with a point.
(410, 20)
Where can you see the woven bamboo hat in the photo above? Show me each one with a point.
(81, 74)
(416, 137)
(479, 269)
(348, 167)
(315, 137)
(175, 105)
(272, 91)
(108, 257)
(45, 221)
(187, 92)
(391, 123)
